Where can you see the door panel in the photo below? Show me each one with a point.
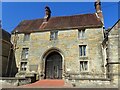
(53, 68)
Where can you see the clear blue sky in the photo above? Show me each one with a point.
(14, 12)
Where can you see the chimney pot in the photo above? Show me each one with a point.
(97, 5)
(47, 14)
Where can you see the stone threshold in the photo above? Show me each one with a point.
(102, 79)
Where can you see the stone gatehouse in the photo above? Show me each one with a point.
(66, 47)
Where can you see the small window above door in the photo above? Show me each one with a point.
(81, 34)
(82, 50)
(83, 66)
(53, 35)
(26, 37)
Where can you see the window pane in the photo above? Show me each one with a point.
(56, 34)
(83, 65)
(53, 35)
(84, 50)
(25, 53)
(79, 32)
(26, 37)
(23, 66)
(83, 33)
(80, 48)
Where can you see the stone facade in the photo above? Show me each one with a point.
(77, 52)
(113, 48)
(67, 44)
(112, 44)
(102, 55)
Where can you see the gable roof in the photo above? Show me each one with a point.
(59, 23)
(114, 26)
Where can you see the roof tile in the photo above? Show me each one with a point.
(63, 22)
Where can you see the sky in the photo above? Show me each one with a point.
(14, 12)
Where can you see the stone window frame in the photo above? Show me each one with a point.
(26, 37)
(24, 60)
(25, 66)
(54, 35)
(23, 52)
(82, 50)
(87, 66)
(81, 33)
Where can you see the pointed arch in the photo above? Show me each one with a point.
(53, 52)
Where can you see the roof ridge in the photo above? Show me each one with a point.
(60, 22)
(61, 16)
(73, 15)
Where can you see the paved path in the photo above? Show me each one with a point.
(47, 84)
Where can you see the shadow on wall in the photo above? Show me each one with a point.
(12, 68)
(7, 57)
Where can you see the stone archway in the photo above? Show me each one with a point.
(53, 66)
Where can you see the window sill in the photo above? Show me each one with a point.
(83, 57)
(84, 72)
(81, 38)
(24, 59)
(53, 39)
(22, 72)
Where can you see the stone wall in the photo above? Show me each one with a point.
(13, 81)
(113, 48)
(119, 54)
(68, 43)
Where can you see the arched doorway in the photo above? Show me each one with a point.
(53, 66)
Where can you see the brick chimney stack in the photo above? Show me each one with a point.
(98, 10)
(47, 14)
